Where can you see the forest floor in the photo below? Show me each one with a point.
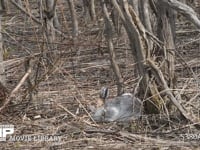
(60, 105)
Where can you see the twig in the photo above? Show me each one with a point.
(16, 89)
(105, 131)
(133, 137)
(189, 68)
(33, 17)
(24, 11)
(74, 116)
(69, 112)
(137, 86)
(158, 74)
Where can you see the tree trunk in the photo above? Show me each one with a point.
(2, 69)
(92, 10)
(144, 12)
(89, 9)
(50, 13)
(166, 33)
(108, 34)
(135, 5)
(73, 17)
(149, 87)
(56, 22)
(19, 2)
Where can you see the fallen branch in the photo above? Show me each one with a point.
(5, 103)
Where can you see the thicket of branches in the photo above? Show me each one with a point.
(147, 26)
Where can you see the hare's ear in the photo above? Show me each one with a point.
(104, 93)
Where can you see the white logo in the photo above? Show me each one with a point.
(5, 130)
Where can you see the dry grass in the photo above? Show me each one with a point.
(60, 105)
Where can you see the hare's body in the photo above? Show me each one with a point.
(121, 108)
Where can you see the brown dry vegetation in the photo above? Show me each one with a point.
(60, 105)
